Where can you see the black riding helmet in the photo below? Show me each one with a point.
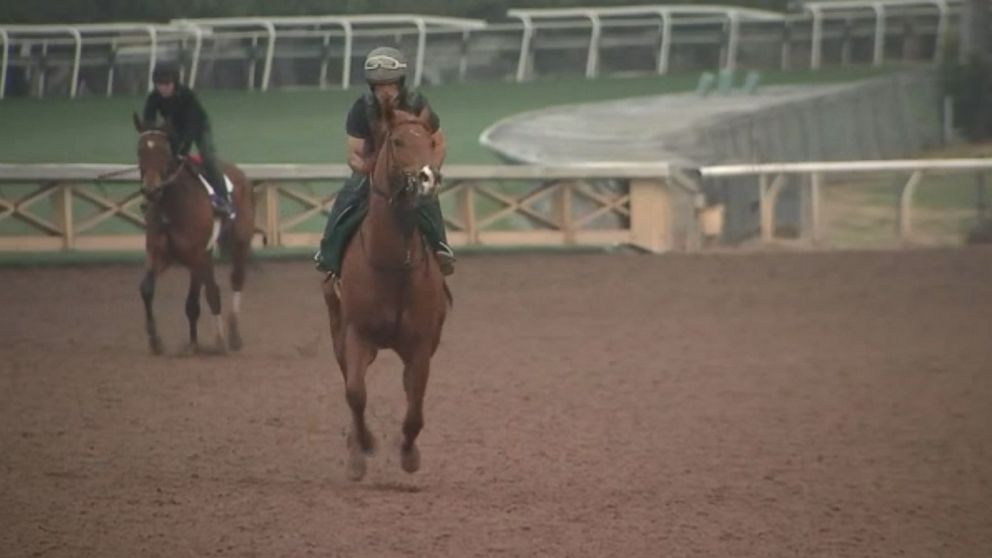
(166, 72)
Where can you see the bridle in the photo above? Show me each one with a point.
(411, 180)
(153, 195)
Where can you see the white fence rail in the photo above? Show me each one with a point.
(312, 49)
(772, 178)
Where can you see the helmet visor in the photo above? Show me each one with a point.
(385, 62)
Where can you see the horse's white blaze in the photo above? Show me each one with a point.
(236, 302)
(151, 144)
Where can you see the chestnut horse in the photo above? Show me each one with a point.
(391, 294)
(180, 227)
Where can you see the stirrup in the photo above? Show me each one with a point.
(222, 207)
(445, 258)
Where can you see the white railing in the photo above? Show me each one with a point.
(332, 38)
(772, 179)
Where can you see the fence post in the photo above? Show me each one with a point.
(267, 211)
(650, 222)
(466, 204)
(63, 214)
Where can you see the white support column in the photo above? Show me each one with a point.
(41, 78)
(815, 196)
(525, 41)
(463, 56)
(78, 38)
(592, 58)
(938, 50)
(194, 66)
(349, 40)
(110, 70)
(666, 41)
(786, 52)
(906, 205)
(817, 40)
(733, 40)
(251, 67)
(152, 54)
(879, 57)
(325, 56)
(269, 54)
(3, 61)
(418, 72)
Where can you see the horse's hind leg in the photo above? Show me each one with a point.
(240, 260)
(357, 356)
(206, 275)
(415, 374)
(147, 290)
(193, 309)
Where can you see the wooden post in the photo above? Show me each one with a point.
(650, 220)
(563, 205)
(62, 200)
(267, 212)
(466, 205)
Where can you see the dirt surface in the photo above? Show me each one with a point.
(824, 405)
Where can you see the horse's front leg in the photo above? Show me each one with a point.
(193, 309)
(205, 273)
(358, 354)
(415, 373)
(147, 289)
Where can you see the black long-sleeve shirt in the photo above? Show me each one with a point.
(182, 111)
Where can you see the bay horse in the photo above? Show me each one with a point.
(391, 294)
(180, 227)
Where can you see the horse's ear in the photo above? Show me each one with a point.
(137, 122)
(425, 116)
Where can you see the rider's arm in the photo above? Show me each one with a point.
(356, 155)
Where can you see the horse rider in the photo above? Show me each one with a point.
(188, 124)
(385, 73)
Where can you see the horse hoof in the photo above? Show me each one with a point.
(220, 347)
(155, 344)
(410, 460)
(235, 341)
(192, 349)
(356, 466)
(364, 442)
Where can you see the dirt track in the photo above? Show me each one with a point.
(724, 405)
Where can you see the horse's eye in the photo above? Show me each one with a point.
(397, 142)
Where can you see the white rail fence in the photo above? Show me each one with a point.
(308, 51)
